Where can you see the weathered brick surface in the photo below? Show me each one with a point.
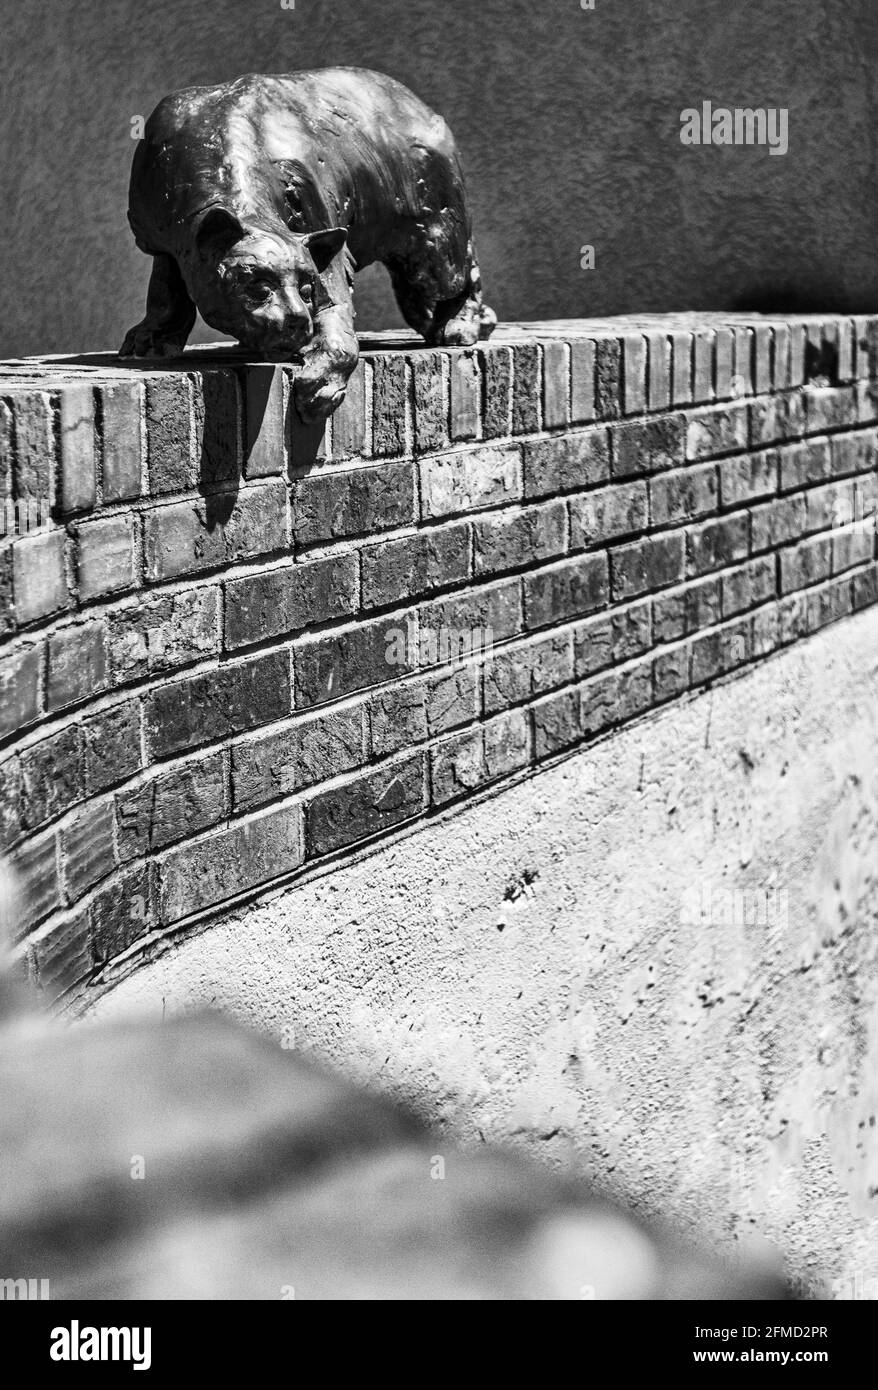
(464, 482)
(365, 806)
(105, 558)
(220, 866)
(290, 599)
(560, 529)
(217, 703)
(396, 570)
(187, 537)
(330, 505)
(39, 575)
(271, 766)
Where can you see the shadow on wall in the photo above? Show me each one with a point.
(579, 144)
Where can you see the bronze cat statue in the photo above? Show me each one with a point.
(258, 199)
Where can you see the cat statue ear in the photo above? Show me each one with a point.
(325, 246)
(217, 232)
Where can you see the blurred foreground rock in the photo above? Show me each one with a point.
(193, 1159)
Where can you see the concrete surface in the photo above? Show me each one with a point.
(569, 124)
(654, 961)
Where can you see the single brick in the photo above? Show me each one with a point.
(506, 744)
(780, 361)
(509, 541)
(291, 599)
(670, 673)
(774, 523)
(854, 545)
(777, 419)
(436, 558)
(221, 866)
(62, 955)
(792, 618)
(659, 371)
(742, 380)
(556, 724)
(608, 513)
(762, 345)
(274, 765)
(365, 806)
(633, 691)
(830, 408)
(598, 704)
(865, 347)
(112, 751)
(526, 392)
(10, 802)
(765, 631)
(77, 435)
(119, 914)
(468, 623)
(749, 476)
(608, 379)
(339, 664)
(88, 849)
(121, 405)
(106, 557)
(864, 590)
(716, 430)
(714, 544)
(805, 463)
(798, 341)
(170, 461)
(748, 586)
(454, 483)
(634, 373)
(806, 563)
(465, 387)
(854, 453)
(329, 506)
(78, 667)
(724, 363)
(349, 420)
(683, 494)
(216, 399)
(35, 865)
(681, 369)
(648, 446)
(497, 386)
(685, 611)
(647, 564)
(160, 634)
(524, 671)
(51, 778)
(582, 381)
(718, 653)
(828, 604)
(19, 689)
(264, 431)
(867, 402)
(170, 806)
(217, 703)
(39, 576)
(845, 355)
(829, 506)
(457, 767)
(631, 629)
(566, 462)
(187, 537)
(430, 413)
(702, 365)
(33, 431)
(571, 589)
(556, 384)
(592, 646)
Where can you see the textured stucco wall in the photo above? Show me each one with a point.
(568, 121)
(531, 967)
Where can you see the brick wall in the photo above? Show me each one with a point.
(237, 648)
